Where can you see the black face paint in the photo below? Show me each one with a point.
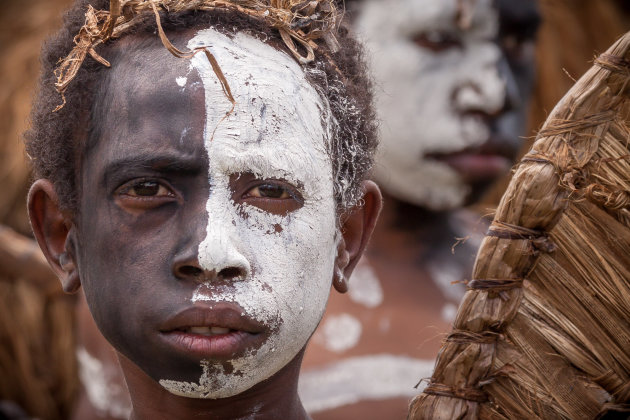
(144, 186)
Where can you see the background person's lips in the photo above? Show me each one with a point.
(213, 331)
(490, 160)
(477, 167)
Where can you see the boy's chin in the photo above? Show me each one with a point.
(212, 381)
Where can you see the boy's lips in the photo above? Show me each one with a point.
(220, 331)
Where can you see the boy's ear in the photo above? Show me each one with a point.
(357, 225)
(54, 232)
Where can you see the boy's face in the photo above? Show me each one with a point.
(206, 244)
(438, 93)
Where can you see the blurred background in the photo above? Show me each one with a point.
(38, 367)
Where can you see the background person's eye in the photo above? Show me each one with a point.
(269, 191)
(518, 50)
(437, 41)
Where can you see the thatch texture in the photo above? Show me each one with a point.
(544, 330)
(37, 364)
(589, 27)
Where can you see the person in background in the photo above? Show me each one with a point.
(452, 84)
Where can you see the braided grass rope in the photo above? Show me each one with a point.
(301, 22)
(561, 330)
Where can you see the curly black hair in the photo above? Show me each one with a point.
(55, 140)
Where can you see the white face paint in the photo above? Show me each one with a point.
(423, 96)
(275, 132)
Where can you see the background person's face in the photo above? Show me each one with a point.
(207, 256)
(441, 86)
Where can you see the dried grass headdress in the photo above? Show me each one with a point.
(301, 22)
(544, 330)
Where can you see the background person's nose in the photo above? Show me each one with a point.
(482, 88)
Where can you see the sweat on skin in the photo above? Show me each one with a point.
(285, 261)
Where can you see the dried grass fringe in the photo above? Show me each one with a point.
(562, 347)
(38, 370)
(297, 21)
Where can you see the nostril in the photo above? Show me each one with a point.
(190, 271)
(230, 273)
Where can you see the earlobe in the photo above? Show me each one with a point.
(357, 226)
(340, 281)
(54, 232)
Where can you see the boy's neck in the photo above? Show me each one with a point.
(273, 398)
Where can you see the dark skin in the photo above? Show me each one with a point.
(133, 242)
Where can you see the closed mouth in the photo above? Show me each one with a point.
(485, 162)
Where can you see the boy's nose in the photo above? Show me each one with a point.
(211, 257)
(219, 255)
(192, 270)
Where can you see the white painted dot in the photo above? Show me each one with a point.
(449, 311)
(181, 81)
(340, 333)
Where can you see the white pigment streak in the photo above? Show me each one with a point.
(275, 131)
(446, 276)
(375, 377)
(105, 395)
(365, 287)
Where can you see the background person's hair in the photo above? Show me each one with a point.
(55, 140)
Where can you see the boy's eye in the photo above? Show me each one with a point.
(269, 191)
(147, 189)
(144, 194)
(270, 195)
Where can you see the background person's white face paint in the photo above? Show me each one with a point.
(274, 132)
(427, 100)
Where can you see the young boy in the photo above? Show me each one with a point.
(205, 203)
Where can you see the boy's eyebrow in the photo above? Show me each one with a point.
(164, 163)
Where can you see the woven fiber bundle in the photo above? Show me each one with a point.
(544, 329)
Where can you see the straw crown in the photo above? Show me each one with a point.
(300, 24)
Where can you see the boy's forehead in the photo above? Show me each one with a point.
(143, 73)
(150, 94)
(277, 118)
